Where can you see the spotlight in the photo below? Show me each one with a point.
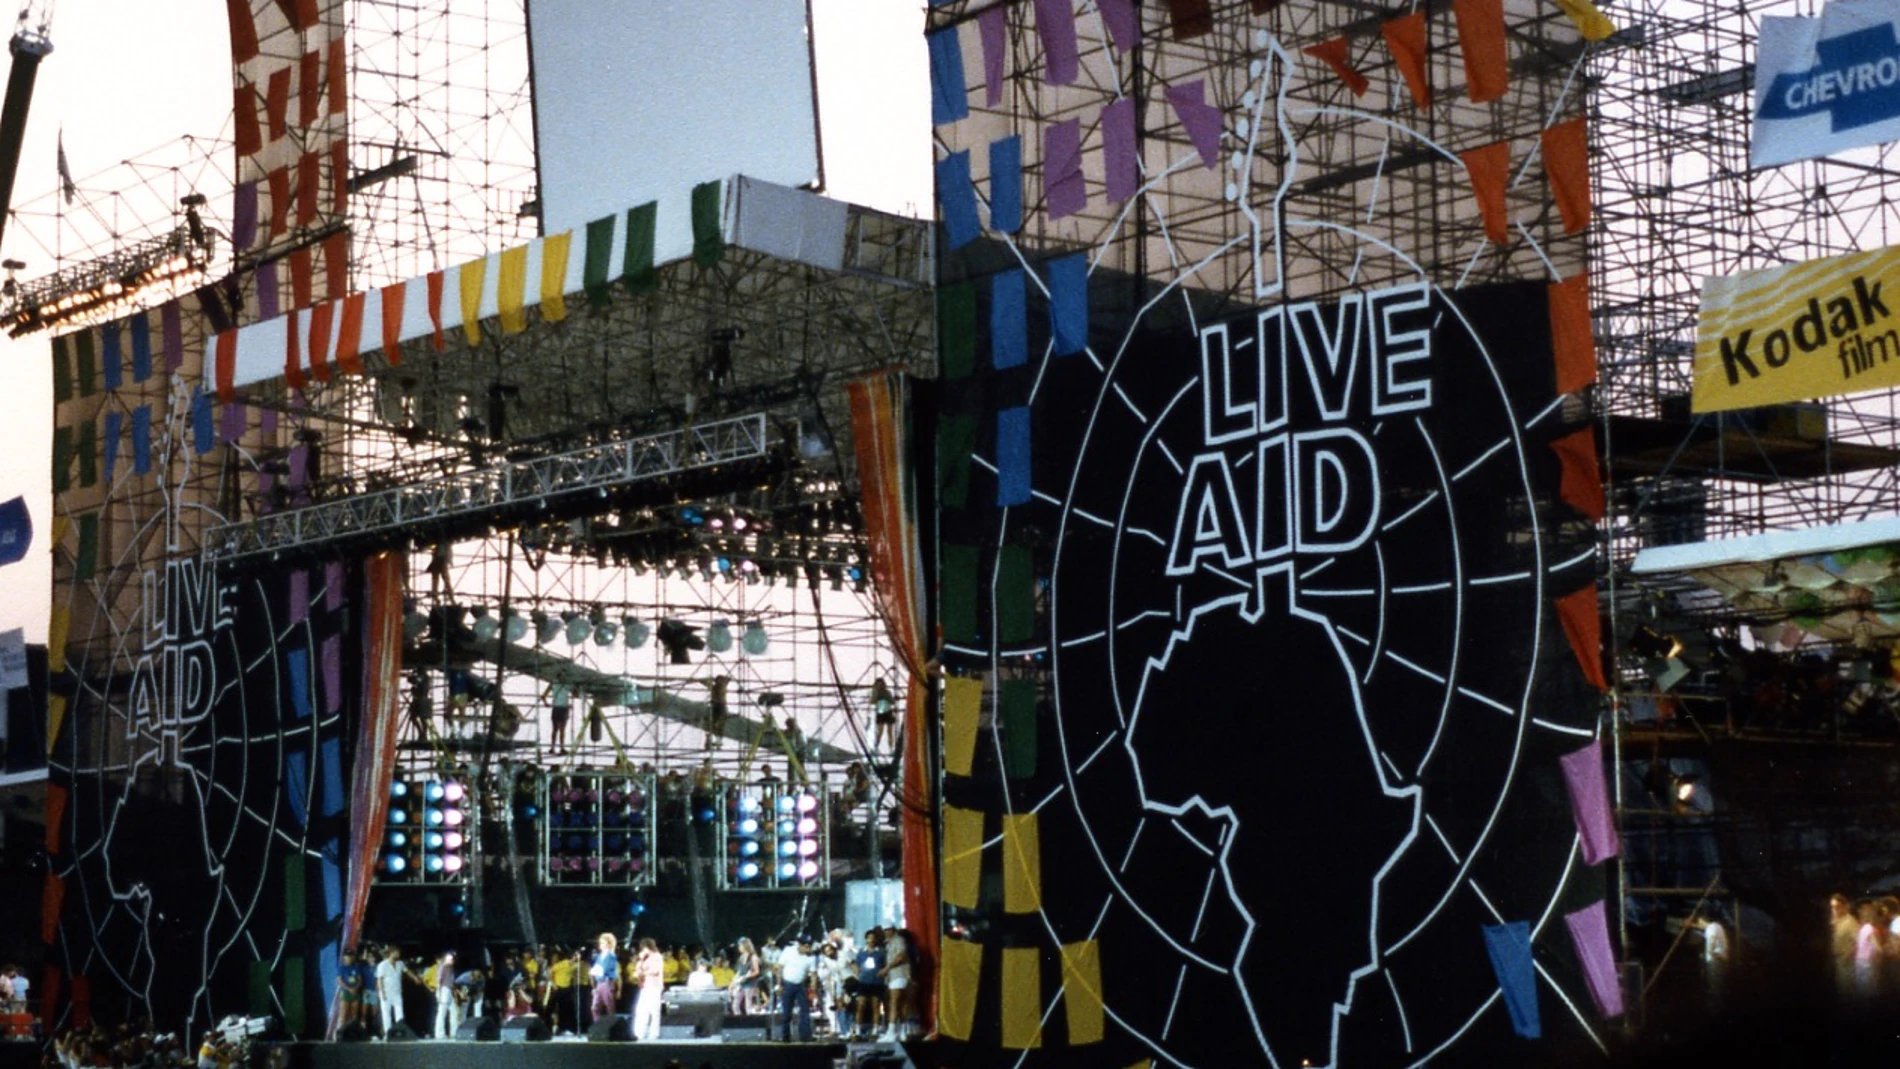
(636, 632)
(514, 626)
(719, 636)
(546, 628)
(577, 627)
(486, 626)
(754, 641)
(605, 632)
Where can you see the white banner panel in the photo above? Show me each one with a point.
(642, 101)
(1827, 83)
(13, 659)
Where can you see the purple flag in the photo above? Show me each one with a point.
(299, 462)
(991, 29)
(267, 306)
(1200, 119)
(231, 422)
(244, 215)
(1590, 935)
(1121, 171)
(1124, 27)
(1055, 24)
(267, 421)
(1590, 803)
(333, 585)
(1063, 190)
(332, 655)
(266, 482)
(299, 595)
(173, 326)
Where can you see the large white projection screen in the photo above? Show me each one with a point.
(641, 101)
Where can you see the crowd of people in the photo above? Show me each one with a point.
(833, 985)
(1866, 946)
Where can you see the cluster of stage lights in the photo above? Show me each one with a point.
(596, 828)
(775, 839)
(427, 835)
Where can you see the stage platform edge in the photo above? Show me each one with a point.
(566, 1054)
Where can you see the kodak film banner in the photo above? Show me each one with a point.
(1826, 83)
(1808, 330)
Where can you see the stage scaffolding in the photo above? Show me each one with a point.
(442, 172)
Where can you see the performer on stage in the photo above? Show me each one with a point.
(795, 972)
(389, 988)
(650, 970)
(745, 989)
(564, 991)
(448, 1008)
(606, 975)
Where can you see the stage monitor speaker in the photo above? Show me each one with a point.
(671, 1032)
(479, 1030)
(747, 1028)
(525, 1029)
(400, 1032)
(613, 1029)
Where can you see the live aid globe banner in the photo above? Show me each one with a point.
(1827, 83)
(1813, 329)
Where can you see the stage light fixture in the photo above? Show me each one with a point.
(486, 626)
(576, 626)
(514, 626)
(636, 632)
(719, 637)
(754, 641)
(546, 628)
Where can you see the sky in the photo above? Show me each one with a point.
(128, 75)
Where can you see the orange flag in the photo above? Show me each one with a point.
(1481, 38)
(1566, 162)
(1405, 37)
(1577, 611)
(1334, 54)
(1489, 167)
(1573, 347)
(1582, 485)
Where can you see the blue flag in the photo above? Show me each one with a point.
(16, 530)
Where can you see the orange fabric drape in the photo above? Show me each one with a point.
(349, 335)
(336, 265)
(224, 366)
(300, 280)
(1336, 54)
(377, 731)
(392, 322)
(1573, 346)
(879, 409)
(1582, 485)
(243, 31)
(435, 284)
(320, 341)
(1481, 39)
(1405, 37)
(1566, 161)
(1489, 167)
(1577, 611)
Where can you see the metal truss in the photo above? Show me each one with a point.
(493, 493)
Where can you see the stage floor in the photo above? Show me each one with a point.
(568, 1053)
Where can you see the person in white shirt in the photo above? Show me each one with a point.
(389, 988)
(701, 978)
(796, 970)
(897, 981)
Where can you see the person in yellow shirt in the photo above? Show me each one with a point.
(563, 997)
(671, 972)
(722, 973)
